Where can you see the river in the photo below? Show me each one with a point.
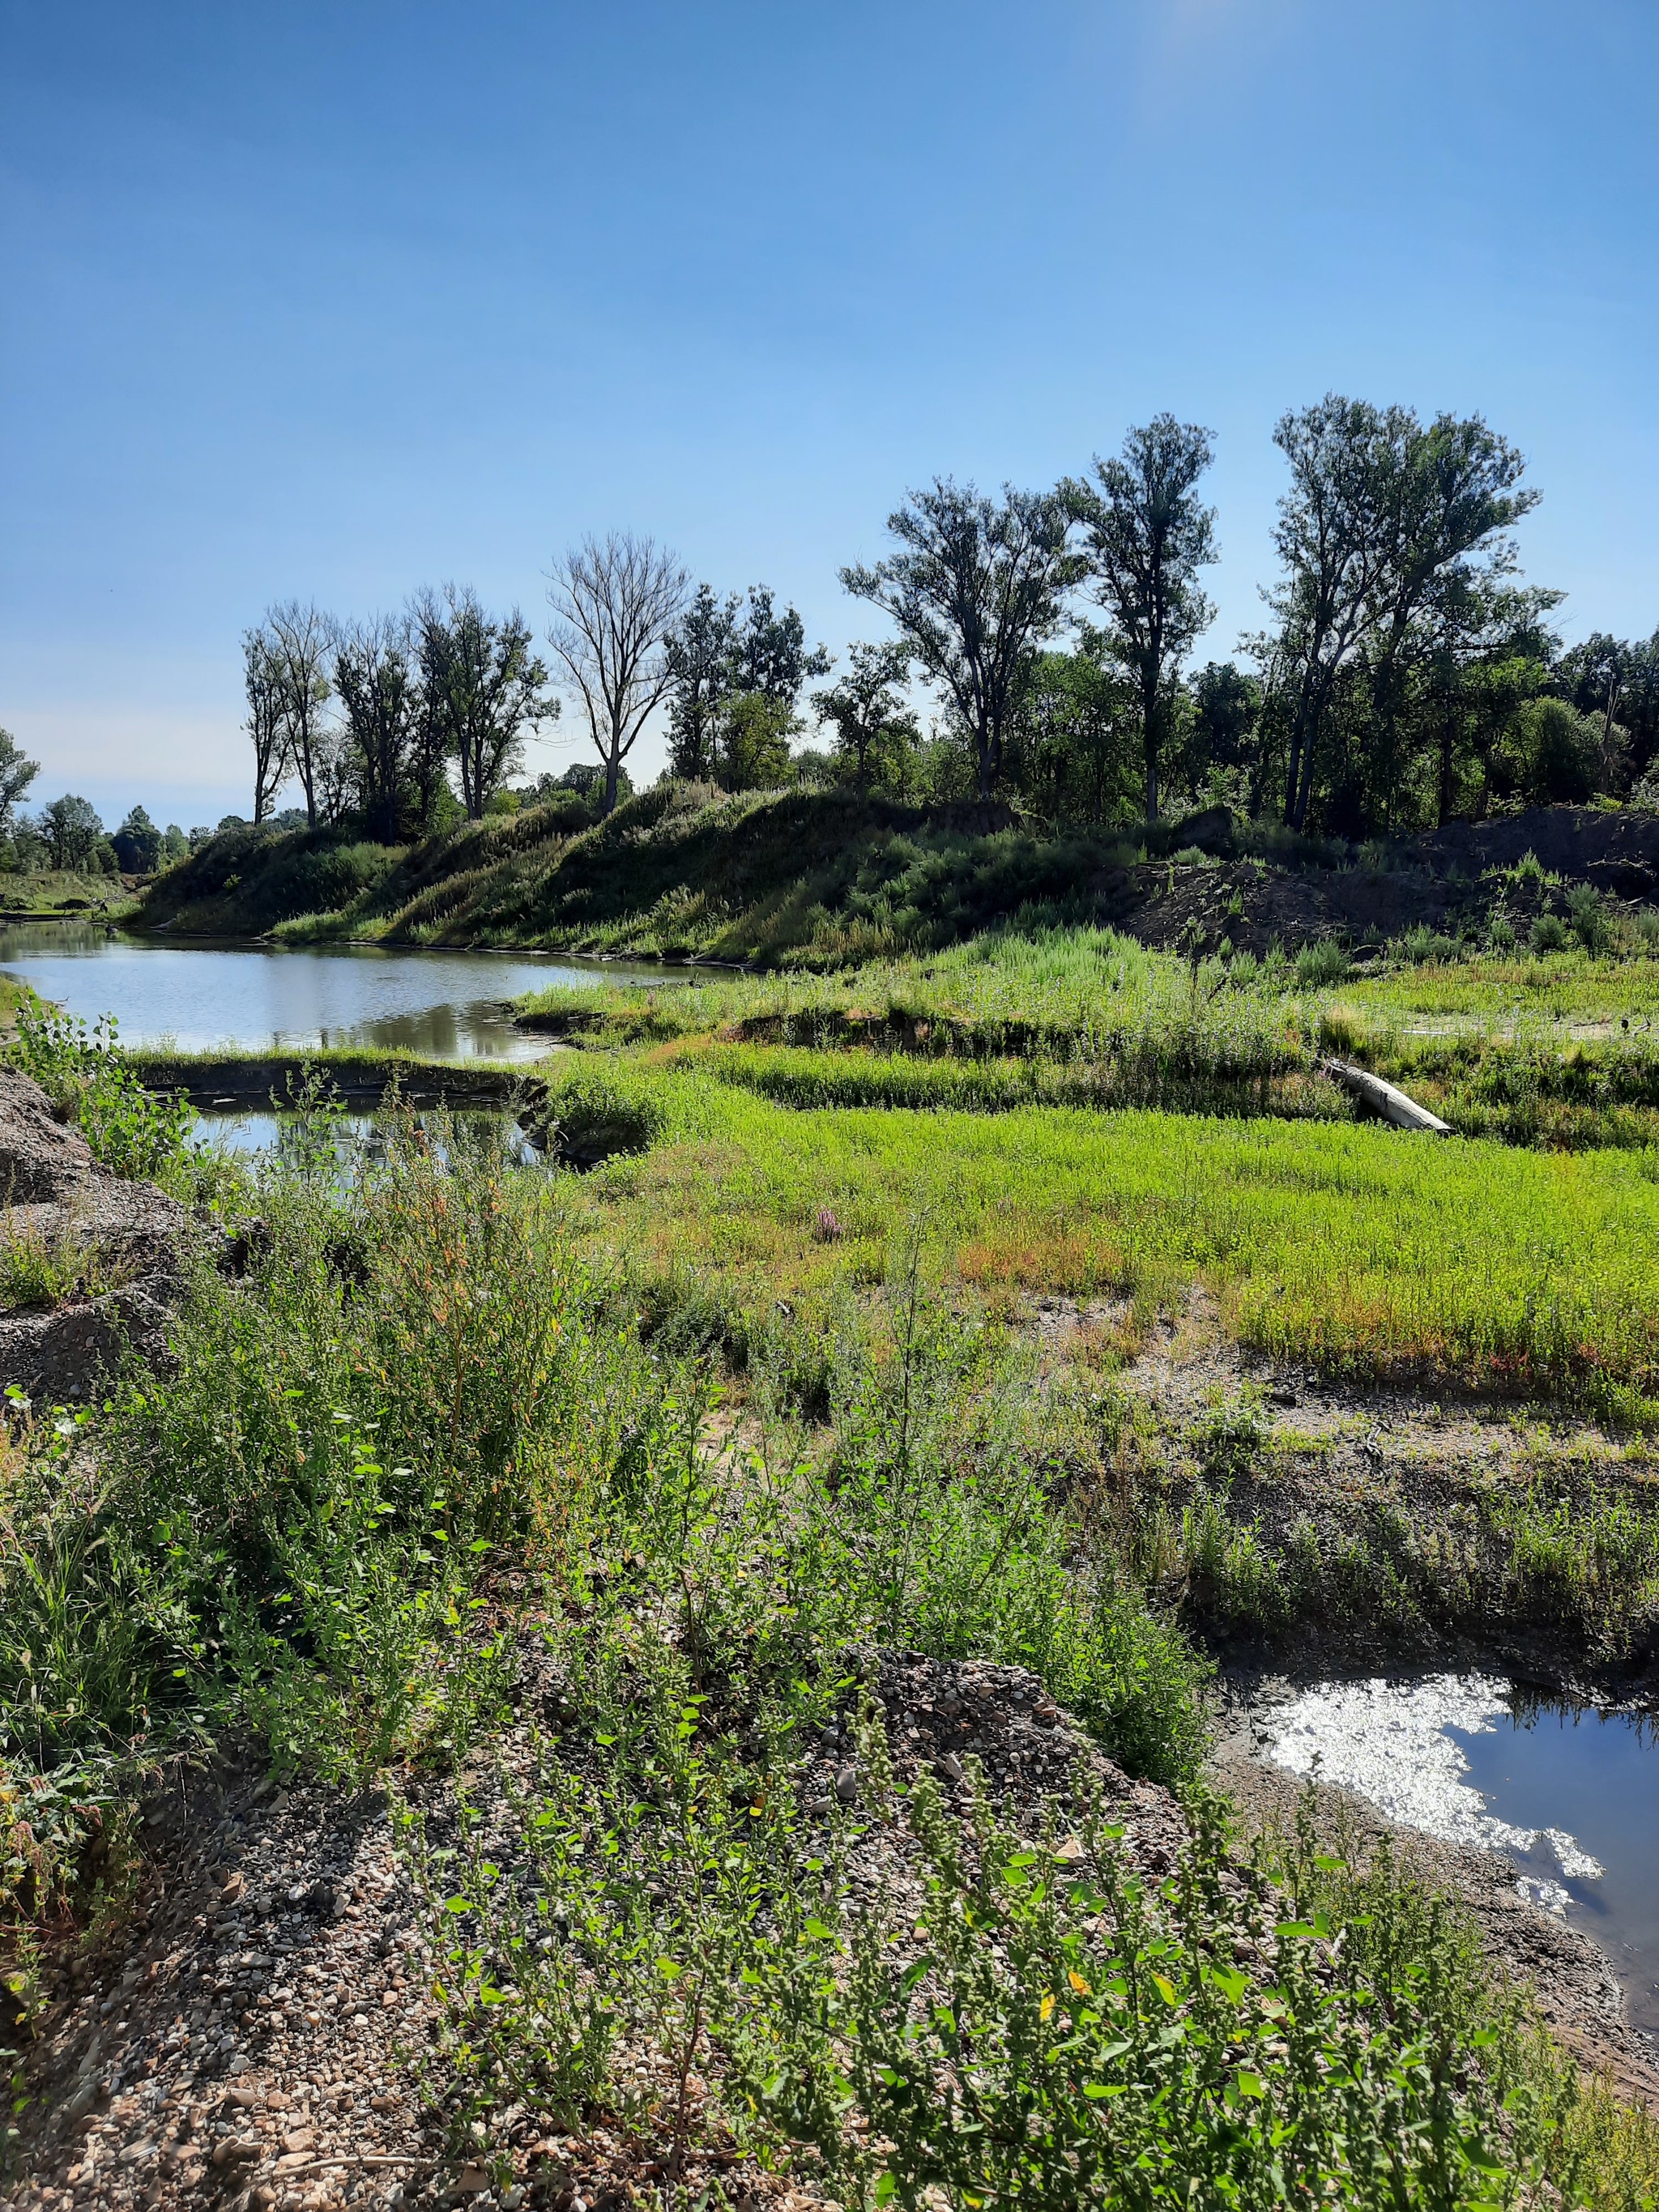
(269, 998)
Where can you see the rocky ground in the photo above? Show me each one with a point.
(125, 1236)
(259, 2031)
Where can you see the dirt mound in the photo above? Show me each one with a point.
(102, 1253)
(1617, 850)
(260, 2031)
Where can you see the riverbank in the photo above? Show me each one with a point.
(749, 1497)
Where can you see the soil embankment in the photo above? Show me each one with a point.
(95, 1257)
(686, 871)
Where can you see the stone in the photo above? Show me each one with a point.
(847, 1784)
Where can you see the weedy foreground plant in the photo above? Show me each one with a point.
(427, 1421)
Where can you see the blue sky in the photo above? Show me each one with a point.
(336, 300)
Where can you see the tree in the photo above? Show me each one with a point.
(16, 774)
(1076, 733)
(698, 653)
(768, 652)
(380, 699)
(484, 688)
(1380, 514)
(267, 723)
(1618, 681)
(973, 590)
(73, 832)
(755, 733)
(1226, 707)
(616, 604)
(138, 844)
(175, 845)
(298, 642)
(1148, 536)
(875, 730)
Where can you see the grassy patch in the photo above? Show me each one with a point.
(819, 876)
(449, 1404)
(1346, 1246)
(62, 891)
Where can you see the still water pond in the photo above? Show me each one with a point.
(255, 1133)
(269, 998)
(1569, 1795)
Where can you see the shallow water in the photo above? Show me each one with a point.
(249, 1133)
(271, 999)
(1568, 1795)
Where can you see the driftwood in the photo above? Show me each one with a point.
(1392, 1105)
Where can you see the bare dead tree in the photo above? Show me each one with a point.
(300, 640)
(614, 605)
(266, 725)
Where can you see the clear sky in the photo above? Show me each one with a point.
(335, 301)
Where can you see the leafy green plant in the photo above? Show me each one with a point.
(1586, 917)
(1322, 963)
(1549, 934)
(1423, 947)
(1050, 2026)
(39, 1271)
(136, 1131)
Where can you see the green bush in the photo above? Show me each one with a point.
(1424, 947)
(595, 1115)
(140, 1134)
(1050, 2026)
(1586, 917)
(1549, 934)
(1322, 963)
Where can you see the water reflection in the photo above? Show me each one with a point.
(276, 1136)
(272, 999)
(1568, 1794)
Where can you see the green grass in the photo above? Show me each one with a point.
(447, 1404)
(1352, 1247)
(1088, 1016)
(1573, 988)
(63, 891)
(813, 876)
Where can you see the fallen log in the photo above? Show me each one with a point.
(1394, 1105)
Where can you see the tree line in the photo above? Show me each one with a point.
(1403, 673)
(69, 833)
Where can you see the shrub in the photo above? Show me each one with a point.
(1549, 934)
(1588, 918)
(1424, 947)
(595, 1115)
(1322, 963)
(140, 1134)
